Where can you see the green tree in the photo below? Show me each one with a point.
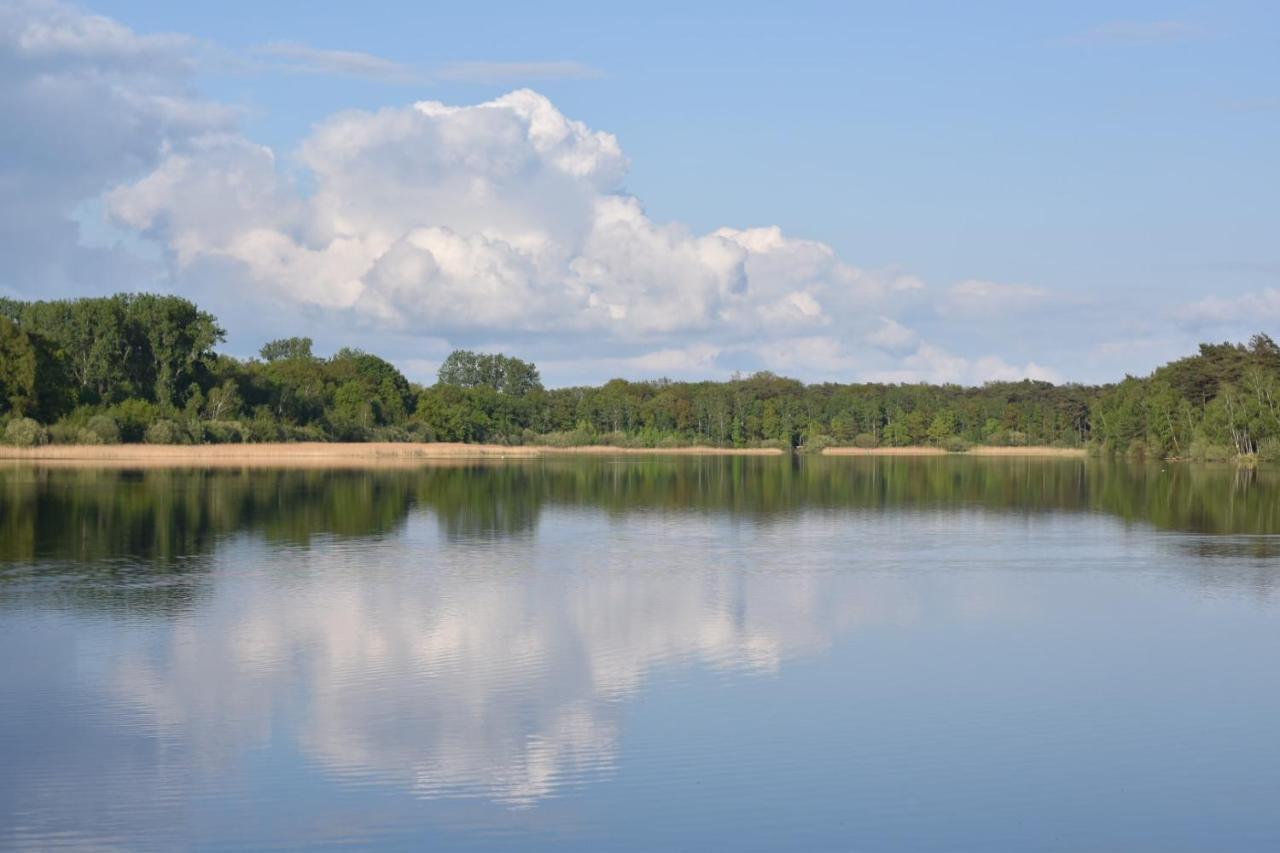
(286, 348)
(502, 373)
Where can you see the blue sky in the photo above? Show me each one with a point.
(1070, 192)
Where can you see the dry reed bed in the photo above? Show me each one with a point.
(321, 455)
(1061, 452)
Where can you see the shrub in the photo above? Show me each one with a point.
(64, 433)
(1269, 450)
(104, 428)
(817, 443)
(165, 431)
(1218, 453)
(134, 417)
(264, 427)
(87, 436)
(864, 440)
(419, 431)
(572, 438)
(310, 432)
(224, 432)
(956, 444)
(25, 432)
(390, 434)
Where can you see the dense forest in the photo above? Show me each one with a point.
(142, 367)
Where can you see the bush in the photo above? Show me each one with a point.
(310, 432)
(1218, 453)
(264, 427)
(1269, 450)
(25, 432)
(956, 444)
(391, 434)
(224, 432)
(572, 438)
(419, 431)
(864, 440)
(1137, 449)
(165, 431)
(817, 443)
(614, 439)
(86, 436)
(64, 433)
(134, 417)
(103, 428)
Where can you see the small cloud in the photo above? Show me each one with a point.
(297, 58)
(893, 337)
(512, 72)
(304, 59)
(975, 296)
(1142, 32)
(930, 363)
(1256, 307)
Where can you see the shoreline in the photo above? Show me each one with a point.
(364, 454)
(976, 450)
(321, 454)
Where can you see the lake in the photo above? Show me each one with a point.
(641, 653)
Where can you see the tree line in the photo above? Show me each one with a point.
(143, 367)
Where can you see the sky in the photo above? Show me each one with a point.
(836, 192)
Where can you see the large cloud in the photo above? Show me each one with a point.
(504, 223)
(86, 103)
(508, 217)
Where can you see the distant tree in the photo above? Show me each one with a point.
(286, 348)
(223, 402)
(503, 374)
(17, 369)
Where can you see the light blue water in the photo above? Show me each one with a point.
(674, 655)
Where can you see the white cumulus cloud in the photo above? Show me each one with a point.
(500, 223)
(1262, 306)
(505, 215)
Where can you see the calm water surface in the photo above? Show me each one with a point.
(643, 654)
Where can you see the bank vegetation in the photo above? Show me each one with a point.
(144, 369)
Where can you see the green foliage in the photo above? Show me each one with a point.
(145, 365)
(501, 373)
(134, 417)
(165, 431)
(103, 429)
(25, 432)
(17, 368)
(225, 432)
(286, 348)
(223, 402)
(1224, 401)
(129, 345)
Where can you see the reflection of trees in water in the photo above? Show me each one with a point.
(140, 540)
(483, 501)
(1202, 499)
(118, 521)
